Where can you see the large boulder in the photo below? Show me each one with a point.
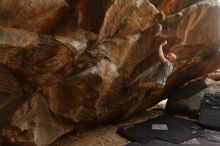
(192, 26)
(39, 59)
(33, 15)
(126, 17)
(198, 51)
(88, 94)
(25, 119)
(114, 20)
(143, 17)
(29, 63)
(69, 76)
(205, 59)
(187, 99)
(197, 56)
(196, 19)
(34, 124)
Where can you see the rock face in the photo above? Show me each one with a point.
(33, 15)
(173, 6)
(37, 58)
(84, 66)
(90, 14)
(183, 25)
(187, 99)
(191, 21)
(88, 95)
(11, 93)
(34, 124)
(134, 16)
(189, 67)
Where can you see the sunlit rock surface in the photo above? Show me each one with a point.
(126, 17)
(84, 66)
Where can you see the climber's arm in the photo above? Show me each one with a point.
(161, 54)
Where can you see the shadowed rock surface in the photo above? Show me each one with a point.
(33, 15)
(90, 14)
(39, 59)
(173, 6)
(35, 124)
(187, 99)
(84, 66)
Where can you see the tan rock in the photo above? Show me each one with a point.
(90, 14)
(99, 92)
(192, 24)
(194, 60)
(33, 15)
(39, 59)
(173, 6)
(34, 124)
(141, 18)
(126, 17)
(197, 37)
(205, 59)
(11, 94)
(80, 93)
(196, 22)
(87, 82)
(87, 95)
(115, 17)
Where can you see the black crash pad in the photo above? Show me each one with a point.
(179, 130)
(209, 138)
(202, 142)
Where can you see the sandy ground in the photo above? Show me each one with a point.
(106, 135)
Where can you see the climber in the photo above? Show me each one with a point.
(164, 70)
